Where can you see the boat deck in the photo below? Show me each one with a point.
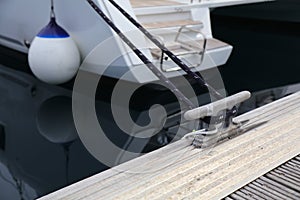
(210, 3)
(180, 170)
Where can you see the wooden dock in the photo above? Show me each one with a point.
(180, 171)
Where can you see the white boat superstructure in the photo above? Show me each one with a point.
(183, 26)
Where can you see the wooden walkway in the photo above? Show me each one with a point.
(282, 182)
(180, 171)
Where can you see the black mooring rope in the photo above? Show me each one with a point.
(52, 13)
(181, 97)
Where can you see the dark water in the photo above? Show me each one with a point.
(33, 162)
(266, 44)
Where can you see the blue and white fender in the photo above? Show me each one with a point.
(53, 56)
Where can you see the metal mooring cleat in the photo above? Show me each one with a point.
(218, 116)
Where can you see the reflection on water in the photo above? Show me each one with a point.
(12, 187)
(32, 162)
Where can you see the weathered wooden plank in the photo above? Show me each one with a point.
(212, 161)
(205, 176)
(202, 173)
(151, 175)
(277, 184)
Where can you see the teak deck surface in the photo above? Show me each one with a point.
(166, 24)
(152, 3)
(180, 171)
